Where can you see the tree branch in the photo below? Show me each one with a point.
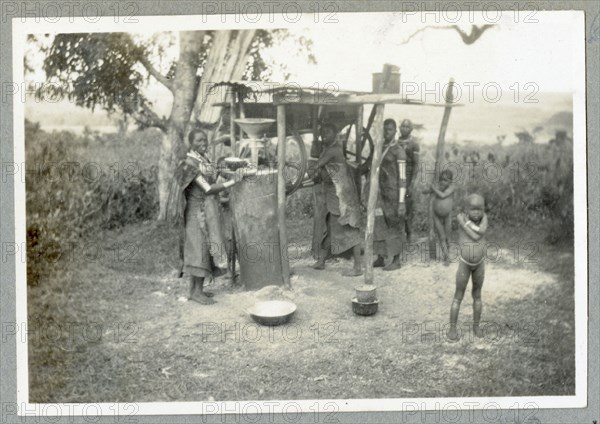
(414, 34)
(147, 117)
(468, 39)
(154, 72)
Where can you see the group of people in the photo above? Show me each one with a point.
(196, 182)
(342, 216)
(341, 229)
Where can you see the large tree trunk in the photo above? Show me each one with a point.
(226, 62)
(173, 147)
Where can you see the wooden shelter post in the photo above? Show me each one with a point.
(439, 156)
(242, 112)
(375, 122)
(359, 133)
(373, 189)
(281, 198)
(315, 122)
(358, 148)
(232, 113)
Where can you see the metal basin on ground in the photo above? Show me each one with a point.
(272, 312)
(366, 293)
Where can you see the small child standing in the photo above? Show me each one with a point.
(473, 226)
(442, 208)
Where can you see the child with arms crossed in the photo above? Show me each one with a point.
(472, 227)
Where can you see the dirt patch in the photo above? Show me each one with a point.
(156, 346)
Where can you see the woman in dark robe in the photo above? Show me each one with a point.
(342, 229)
(203, 250)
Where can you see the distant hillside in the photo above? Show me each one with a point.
(483, 122)
(478, 122)
(65, 115)
(562, 119)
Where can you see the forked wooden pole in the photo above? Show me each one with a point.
(373, 192)
(439, 155)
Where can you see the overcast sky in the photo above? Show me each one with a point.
(534, 48)
(509, 53)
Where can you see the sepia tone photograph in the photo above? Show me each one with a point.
(332, 206)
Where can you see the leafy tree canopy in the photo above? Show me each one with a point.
(111, 70)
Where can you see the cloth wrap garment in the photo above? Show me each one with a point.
(388, 233)
(202, 246)
(342, 211)
(411, 150)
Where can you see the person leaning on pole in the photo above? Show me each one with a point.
(388, 234)
(411, 148)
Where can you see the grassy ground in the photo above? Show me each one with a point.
(113, 325)
(111, 322)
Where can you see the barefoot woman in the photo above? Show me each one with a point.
(202, 243)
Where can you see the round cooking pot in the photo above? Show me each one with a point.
(364, 308)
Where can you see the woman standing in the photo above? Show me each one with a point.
(341, 231)
(203, 250)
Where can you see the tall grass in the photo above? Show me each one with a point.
(523, 184)
(80, 184)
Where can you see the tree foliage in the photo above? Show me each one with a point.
(259, 69)
(111, 70)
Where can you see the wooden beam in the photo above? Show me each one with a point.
(310, 98)
(439, 156)
(387, 99)
(373, 191)
(281, 198)
(362, 99)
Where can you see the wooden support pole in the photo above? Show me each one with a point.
(281, 198)
(319, 204)
(439, 151)
(315, 150)
(373, 191)
(358, 134)
(240, 99)
(371, 118)
(439, 156)
(232, 113)
(314, 121)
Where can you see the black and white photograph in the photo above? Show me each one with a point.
(243, 212)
